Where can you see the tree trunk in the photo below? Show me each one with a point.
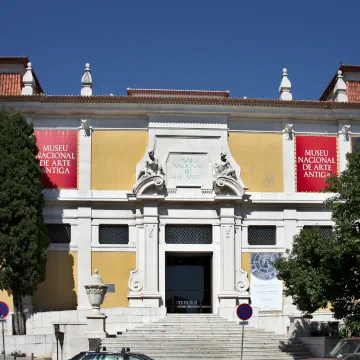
(19, 316)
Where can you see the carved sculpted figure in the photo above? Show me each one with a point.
(224, 168)
(151, 167)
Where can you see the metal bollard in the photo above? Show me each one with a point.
(32, 356)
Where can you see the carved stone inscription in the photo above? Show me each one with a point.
(188, 170)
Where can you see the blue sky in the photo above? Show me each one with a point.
(233, 45)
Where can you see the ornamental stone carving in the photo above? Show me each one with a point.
(96, 290)
(242, 283)
(226, 180)
(136, 282)
(224, 168)
(152, 174)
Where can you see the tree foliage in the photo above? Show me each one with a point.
(23, 240)
(322, 270)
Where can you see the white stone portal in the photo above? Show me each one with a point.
(194, 164)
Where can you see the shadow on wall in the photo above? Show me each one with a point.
(307, 327)
(59, 290)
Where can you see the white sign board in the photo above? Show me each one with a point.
(265, 288)
(188, 170)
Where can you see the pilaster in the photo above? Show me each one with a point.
(84, 233)
(229, 246)
(288, 158)
(344, 144)
(290, 230)
(144, 281)
(84, 181)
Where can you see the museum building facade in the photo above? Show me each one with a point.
(181, 199)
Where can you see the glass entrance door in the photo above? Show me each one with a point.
(188, 283)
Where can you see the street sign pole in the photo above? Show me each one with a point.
(244, 313)
(3, 336)
(242, 341)
(4, 311)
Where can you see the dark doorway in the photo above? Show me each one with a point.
(188, 283)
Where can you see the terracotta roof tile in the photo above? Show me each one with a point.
(177, 93)
(353, 91)
(344, 68)
(10, 84)
(121, 99)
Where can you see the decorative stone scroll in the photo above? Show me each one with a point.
(151, 175)
(242, 281)
(225, 178)
(136, 281)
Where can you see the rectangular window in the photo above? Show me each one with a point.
(324, 230)
(188, 234)
(262, 235)
(114, 234)
(355, 144)
(59, 233)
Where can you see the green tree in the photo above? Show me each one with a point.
(322, 270)
(23, 240)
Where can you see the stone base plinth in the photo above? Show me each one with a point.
(151, 300)
(95, 325)
(229, 301)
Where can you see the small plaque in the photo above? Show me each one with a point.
(244, 323)
(111, 288)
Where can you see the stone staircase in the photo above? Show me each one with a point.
(205, 337)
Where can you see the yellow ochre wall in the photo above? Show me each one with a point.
(115, 155)
(246, 263)
(6, 297)
(114, 268)
(260, 157)
(59, 290)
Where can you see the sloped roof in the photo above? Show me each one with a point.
(22, 60)
(330, 87)
(10, 84)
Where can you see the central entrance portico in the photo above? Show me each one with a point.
(188, 283)
(188, 232)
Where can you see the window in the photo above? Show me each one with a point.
(114, 234)
(355, 144)
(59, 233)
(185, 234)
(262, 235)
(325, 231)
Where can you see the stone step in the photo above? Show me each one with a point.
(205, 337)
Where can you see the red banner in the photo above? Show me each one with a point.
(316, 159)
(58, 151)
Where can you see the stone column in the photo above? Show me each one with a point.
(144, 281)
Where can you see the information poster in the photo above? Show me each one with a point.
(316, 160)
(58, 151)
(266, 289)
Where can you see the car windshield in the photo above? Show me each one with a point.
(89, 357)
(345, 347)
(79, 356)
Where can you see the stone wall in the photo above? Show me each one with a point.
(40, 339)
